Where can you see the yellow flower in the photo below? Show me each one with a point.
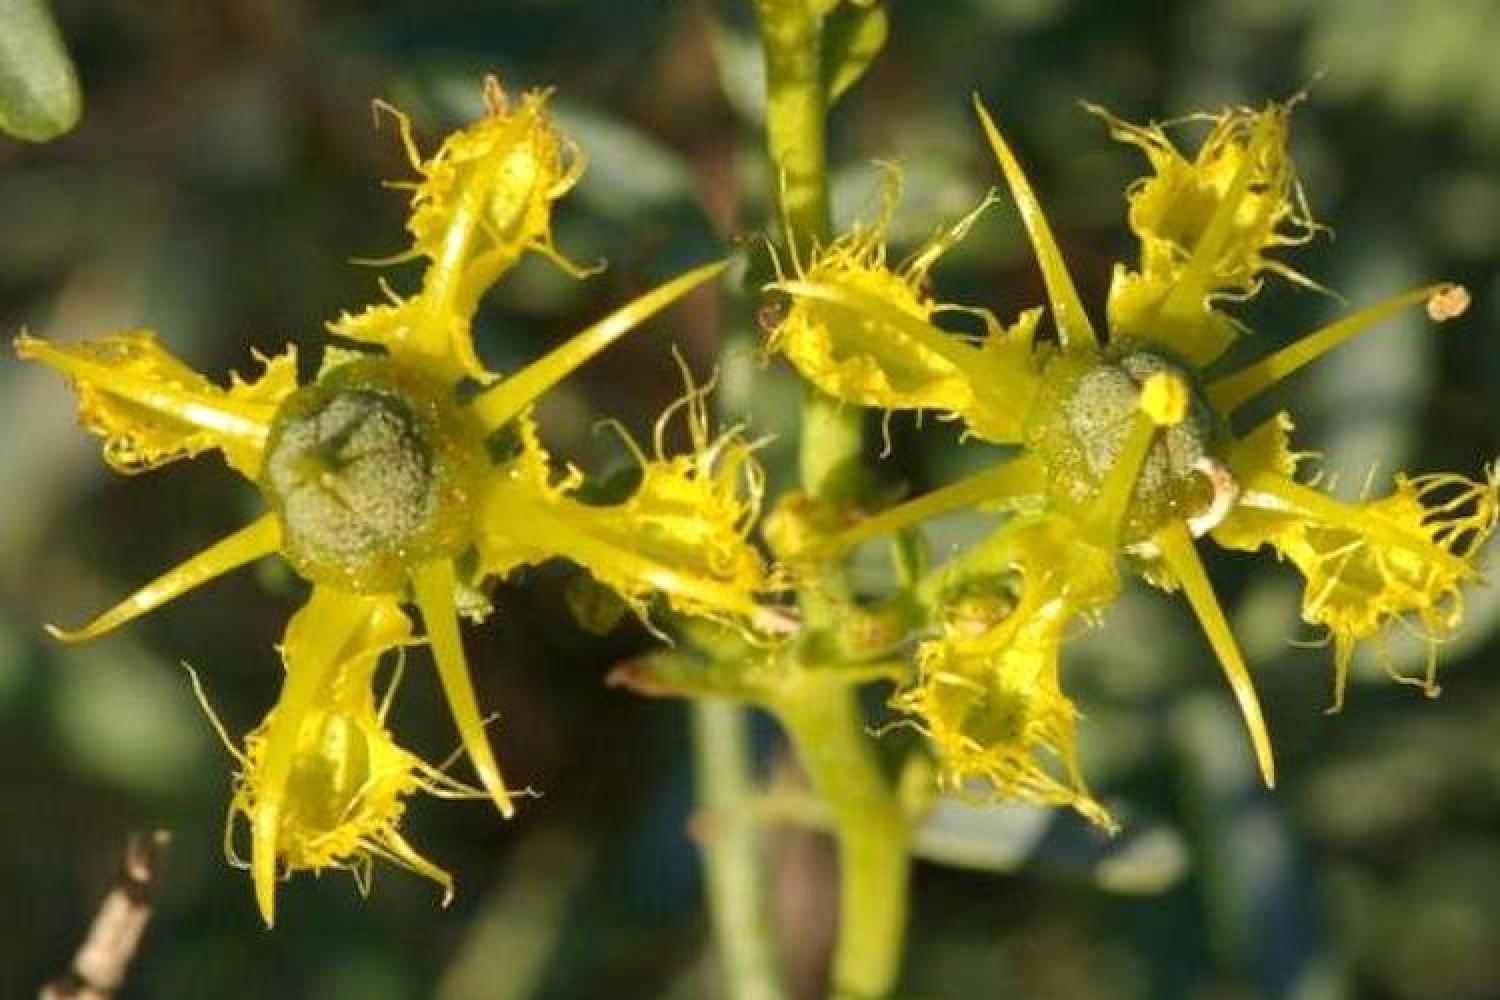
(322, 782)
(381, 476)
(1402, 556)
(1128, 438)
(987, 692)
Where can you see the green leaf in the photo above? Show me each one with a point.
(853, 36)
(39, 97)
(1146, 858)
(734, 670)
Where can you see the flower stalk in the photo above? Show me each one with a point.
(821, 711)
(733, 858)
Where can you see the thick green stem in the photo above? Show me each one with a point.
(733, 863)
(822, 714)
(820, 710)
(796, 106)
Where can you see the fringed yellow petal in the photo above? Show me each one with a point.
(500, 404)
(1401, 529)
(486, 195)
(862, 329)
(433, 585)
(322, 782)
(152, 409)
(483, 199)
(988, 694)
(1073, 327)
(255, 541)
(1181, 558)
(855, 345)
(1233, 391)
(1205, 227)
(683, 532)
(1226, 252)
(1403, 557)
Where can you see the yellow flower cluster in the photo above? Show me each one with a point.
(1128, 447)
(393, 479)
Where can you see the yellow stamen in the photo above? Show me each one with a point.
(512, 395)
(1073, 326)
(1018, 477)
(256, 540)
(1180, 555)
(433, 584)
(1233, 391)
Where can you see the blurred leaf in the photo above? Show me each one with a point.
(629, 173)
(508, 942)
(853, 35)
(39, 97)
(1259, 897)
(677, 675)
(742, 71)
(1421, 61)
(126, 719)
(596, 608)
(1145, 858)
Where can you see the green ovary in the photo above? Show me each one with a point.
(1082, 419)
(371, 470)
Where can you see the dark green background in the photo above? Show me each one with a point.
(226, 171)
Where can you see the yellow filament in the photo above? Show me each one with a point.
(1180, 555)
(1018, 477)
(1073, 326)
(258, 539)
(512, 395)
(1233, 391)
(433, 584)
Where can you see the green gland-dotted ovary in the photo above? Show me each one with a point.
(371, 470)
(1079, 429)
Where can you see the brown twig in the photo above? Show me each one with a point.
(100, 964)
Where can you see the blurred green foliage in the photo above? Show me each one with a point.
(227, 172)
(39, 97)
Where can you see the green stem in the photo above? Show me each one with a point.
(822, 714)
(733, 863)
(796, 106)
(821, 711)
